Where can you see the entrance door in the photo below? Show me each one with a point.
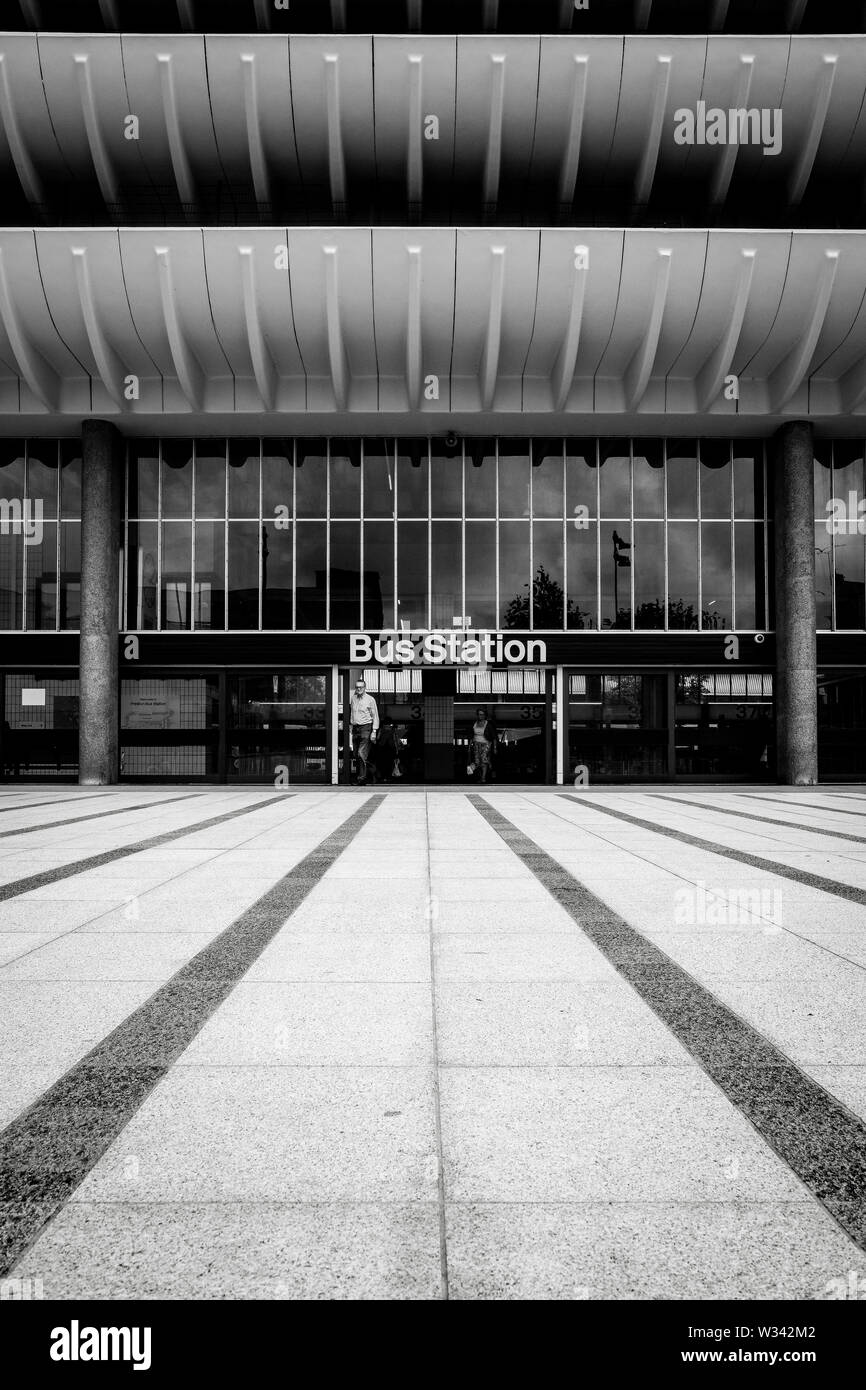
(618, 726)
(519, 751)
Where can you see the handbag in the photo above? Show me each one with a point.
(470, 768)
(396, 770)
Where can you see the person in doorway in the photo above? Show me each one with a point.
(483, 740)
(387, 759)
(364, 726)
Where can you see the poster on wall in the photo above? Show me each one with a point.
(150, 711)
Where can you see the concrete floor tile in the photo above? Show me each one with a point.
(53, 1023)
(627, 1250)
(599, 1023)
(250, 1250)
(291, 1134)
(278, 1025)
(600, 1133)
(94, 956)
(503, 956)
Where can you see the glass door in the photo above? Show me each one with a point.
(618, 726)
(278, 728)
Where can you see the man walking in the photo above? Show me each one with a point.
(364, 725)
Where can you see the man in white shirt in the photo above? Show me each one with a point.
(364, 726)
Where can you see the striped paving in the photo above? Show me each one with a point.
(510, 1045)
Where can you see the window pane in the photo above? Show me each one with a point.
(210, 477)
(209, 593)
(514, 575)
(823, 477)
(378, 575)
(715, 478)
(849, 580)
(615, 477)
(649, 478)
(311, 477)
(345, 477)
(682, 478)
(716, 602)
(823, 575)
(42, 475)
(749, 559)
(276, 576)
(547, 479)
(70, 480)
(412, 574)
(141, 574)
(379, 477)
(243, 546)
(748, 478)
(11, 580)
(581, 476)
(616, 574)
(143, 479)
(177, 477)
(412, 477)
(176, 574)
(481, 477)
(682, 574)
(42, 580)
(513, 477)
(848, 471)
(649, 572)
(12, 469)
(447, 571)
(446, 479)
(345, 575)
(480, 607)
(70, 574)
(582, 546)
(548, 597)
(243, 478)
(277, 478)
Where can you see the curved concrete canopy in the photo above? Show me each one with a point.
(422, 327)
(306, 120)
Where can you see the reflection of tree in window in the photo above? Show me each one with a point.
(548, 602)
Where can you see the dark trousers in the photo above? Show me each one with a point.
(361, 737)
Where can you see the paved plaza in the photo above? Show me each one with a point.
(482, 1043)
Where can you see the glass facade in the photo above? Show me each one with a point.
(840, 535)
(544, 535)
(40, 534)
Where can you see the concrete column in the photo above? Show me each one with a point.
(796, 663)
(101, 456)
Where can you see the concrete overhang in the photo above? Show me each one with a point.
(304, 120)
(281, 329)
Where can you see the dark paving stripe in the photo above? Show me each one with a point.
(58, 801)
(26, 885)
(96, 815)
(765, 820)
(47, 1151)
(810, 805)
(771, 866)
(821, 1141)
